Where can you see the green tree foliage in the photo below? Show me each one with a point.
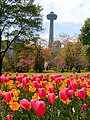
(19, 20)
(84, 36)
(74, 54)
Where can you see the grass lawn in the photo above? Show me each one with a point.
(51, 72)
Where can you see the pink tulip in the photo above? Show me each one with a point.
(85, 106)
(89, 82)
(82, 93)
(38, 79)
(33, 101)
(24, 104)
(51, 98)
(7, 97)
(63, 94)
(62, 78)
(73, 86)
(0, 93)
(51, 89)
(25, 81)
(9, 117)
(71, 93)
(57, 80)
(6, 79)
(40, 108)
(19, 78)
(42, 92)
(36, 84)
(83, 84)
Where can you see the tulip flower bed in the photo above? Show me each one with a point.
(45, 97)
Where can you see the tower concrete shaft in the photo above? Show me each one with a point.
(51, 32)
(51, 17)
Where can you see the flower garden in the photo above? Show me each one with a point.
(45, 97)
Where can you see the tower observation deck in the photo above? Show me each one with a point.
(51, 17)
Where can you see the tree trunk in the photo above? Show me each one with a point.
(0, 55)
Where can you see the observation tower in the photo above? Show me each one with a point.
(51, 17)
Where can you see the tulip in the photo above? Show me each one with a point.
(33, 101)
(73, 86)
(71, 75)
(46, 76)
(76, 76)
(38, 79)
(89, 82)
(82, 78)
(25, 81)
(71, 93)
(9, 117)
(85, 106)
(63, 95)
(82, 93)
(68, 81)
(83, 84)
(62, 78)
(19, 78)
(42, 92)
(43, 83)
(57, 80)
(2, 79)
(40, 108)
(51, 89)
(36, 84)
(7, 97)
(51, 98)
(24, 104)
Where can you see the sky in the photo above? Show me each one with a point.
(71, 15)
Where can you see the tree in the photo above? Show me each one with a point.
(84, 36)
(74, 54)
(19, 20)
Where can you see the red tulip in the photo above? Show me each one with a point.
(9, 117)
(71, 93)
(68, 81)
(7, 97)
(43, 83)
(51, 89)
(51, 98)
(40, 108)
(85, 106)
(82, 93)
(24, 104)
(36, 84)
(82, 78)
(76, 76)
(63, 94)
(42, 92)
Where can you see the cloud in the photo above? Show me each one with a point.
(75, 11)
